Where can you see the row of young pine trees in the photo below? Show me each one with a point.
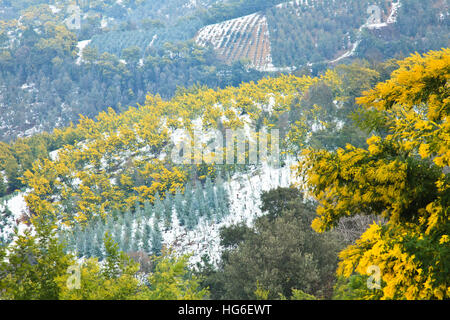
(141, 229)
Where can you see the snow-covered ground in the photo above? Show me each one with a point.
(244, 191)
(81, 45)
(243, 37)
(54, 9)
(371, 25)
(16, 204)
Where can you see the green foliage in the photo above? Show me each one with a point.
(116, 279)
(322, 31)
(401, 176)
(138, 230)
(7, 223)
(280, 200)
(260, 293)
(221, 11)
(172, 281)
(352, 288)
(34, 263)
(37, 268)
(232, 236)
(300, 295)
(280, 254)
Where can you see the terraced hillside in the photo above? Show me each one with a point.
(288, 36)
(244, 37)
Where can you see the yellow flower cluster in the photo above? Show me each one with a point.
(403, 176)
(116, 160)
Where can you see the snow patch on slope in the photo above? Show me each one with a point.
(18, 208)
(369, 25)
(81, 45)
(244, 191)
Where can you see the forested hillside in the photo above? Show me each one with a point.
(113, 189)
(58, 61)
(239, 149)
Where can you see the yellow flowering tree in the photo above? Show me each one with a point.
(402, 175)
(116, 161)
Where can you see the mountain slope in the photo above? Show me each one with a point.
(121, 164)
(293, 36)
(246, 37)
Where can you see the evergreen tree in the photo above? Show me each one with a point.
(116, 214)
(188, 196)
(179, 208)
(138, 212)
(222, 199)
(118, 233)
(109, 225)
(168, 209)
(148, 209)
(137, 239)
(100, 230)
(81, 243)
(210, 194)
(211, 199)
(98, 243)
(127, 232)
(3, 185)
(89, 242)
(146, 238)
(199, 201)
(157, 239)
(192, 216)
(158, 207)
(128, 218)
(34, 263)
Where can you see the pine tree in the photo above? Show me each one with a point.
(179, 208)
(109, 225)
(116, 214)
(126, 234)
(192, 216)
(3, 185)
(97, 248)
(100, 229)
(211, 198)
(148, 209)
(138, 213)
(137, 239)
(222, 199)
(146, 237)
(168, 209)
(88, 242)
(63, 238)
(156, 239)
(158, 207)
(72, 243)
(118, 233)
(188, 196)
(210, 194)
(128, 218)
(199, 201)
(80, 242)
